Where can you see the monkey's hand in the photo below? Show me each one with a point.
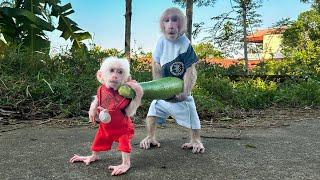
(196, 146)
(136, 87)
(181, 97)
(93, 111)
(86, 159)
(148, 142)
(136, 101)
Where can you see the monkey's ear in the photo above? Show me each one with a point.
(100, 77)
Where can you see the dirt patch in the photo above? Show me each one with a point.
(271, 117)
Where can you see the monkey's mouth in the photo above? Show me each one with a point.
(172, 33)
(114, 82)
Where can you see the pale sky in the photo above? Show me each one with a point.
(104, 19)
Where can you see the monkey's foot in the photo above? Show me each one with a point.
(197, 147)
(120, 169)
(86, 159)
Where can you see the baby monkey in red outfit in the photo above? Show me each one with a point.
(114, 112)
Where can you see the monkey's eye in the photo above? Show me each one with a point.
(112, 70)
(166, 20)
(174, 19)
(120, 71)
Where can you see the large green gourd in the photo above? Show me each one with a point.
(162, 88)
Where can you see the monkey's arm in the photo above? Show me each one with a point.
(93, 110)
(156, 70)
(189, 80)
(136, 101)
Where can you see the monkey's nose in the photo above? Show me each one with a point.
(114, 77)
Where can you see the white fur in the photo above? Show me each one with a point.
(114, 61)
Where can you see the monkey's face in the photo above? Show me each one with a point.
(114, 77)
(171, 24)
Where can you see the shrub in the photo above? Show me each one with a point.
(45, 86)
(205, 102)
(254, 94)
(303, 93)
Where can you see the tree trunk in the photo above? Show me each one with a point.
(128, 28)
(189, 12)
(245, 42)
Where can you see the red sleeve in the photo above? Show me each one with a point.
(123, 103)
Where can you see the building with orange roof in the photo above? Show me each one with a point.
(271, 40)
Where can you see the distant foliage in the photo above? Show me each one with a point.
(206, 50)
(301, 49)
(302, 45)
(228, 28)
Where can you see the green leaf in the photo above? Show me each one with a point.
(66, 7)
(29, 19)
(2, 44)
(22, 15)
(33, 6)
(65, 35)
(36, 41)
(225, 119)
(70, 30)
(83, 35)
(68, 13)
(250, 146)
(76, 45)
(51, 2)
(59, 10)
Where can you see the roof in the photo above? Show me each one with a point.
(227, 62)
(257, 37)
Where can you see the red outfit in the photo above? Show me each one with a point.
(120, 129)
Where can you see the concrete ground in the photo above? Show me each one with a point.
(287, 152)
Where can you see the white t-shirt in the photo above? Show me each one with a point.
(174, 57)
